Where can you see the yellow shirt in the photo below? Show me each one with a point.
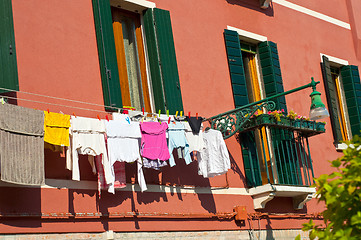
(56, 128)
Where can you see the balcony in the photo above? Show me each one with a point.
(278, 162)
(275, 148)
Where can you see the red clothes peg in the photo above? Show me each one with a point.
(106, 116)
(189, 114)
(168, 120)
(74, 114)
(197, 116)
(48, 110)
(143, 110)
(98, 117)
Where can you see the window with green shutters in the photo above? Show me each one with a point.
(343, 92)
(8, 66)
(125, 77)
(246, 63)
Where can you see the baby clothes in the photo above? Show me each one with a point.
(56, 127)
(121, 117)
(177, 139)
(154, 141)
(87, 137)
(154, 164)
(195, 123)
(123, 146)
(195, 141)
(214, 158)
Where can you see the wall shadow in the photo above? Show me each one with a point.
(22, 202)
(235, 168)
(253, 5)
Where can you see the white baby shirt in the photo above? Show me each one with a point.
(123, 146)
(87, 137)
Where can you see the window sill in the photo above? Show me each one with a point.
(263, 194)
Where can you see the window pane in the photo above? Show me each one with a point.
(132, 63)
(131, 59)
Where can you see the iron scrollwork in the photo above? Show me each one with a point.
(232, 122)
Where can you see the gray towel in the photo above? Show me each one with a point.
(21, 145)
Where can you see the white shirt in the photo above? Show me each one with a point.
(87, 137)
(213, 158)
(195, 141)
(123, 146)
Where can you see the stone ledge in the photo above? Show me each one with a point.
(263, 194)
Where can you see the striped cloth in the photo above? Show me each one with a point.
(21, 145)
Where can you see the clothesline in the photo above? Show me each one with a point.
(108, 144)
(58, 98)
(69, 100)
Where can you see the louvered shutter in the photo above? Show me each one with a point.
(331, 96)
(107, 55)
(352, 87)
(8, 66)
(162, 60)
(240, 96)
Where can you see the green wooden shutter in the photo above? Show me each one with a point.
(352, 87)
(8, 66)
(331, 96)
(240, 96)
(271, 72)
(273, 84)
(107, 55)
(162, 60)
(236, 68)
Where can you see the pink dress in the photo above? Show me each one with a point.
(154, 141)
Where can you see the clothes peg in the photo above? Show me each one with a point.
(168, 113)
(159, 112)
(168, 120)
(128, 119)
(189, 114)
(176, 113)
(74, 114)
(181, 113)
(48, 110)
(197, 116)
(98, 117)
(143, 110)
(106, 116)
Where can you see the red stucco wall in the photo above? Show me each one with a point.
(57, 56)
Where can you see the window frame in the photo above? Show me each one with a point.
(161, 56)
(250, 38)
(338, 63)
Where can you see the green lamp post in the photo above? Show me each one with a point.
(232, 121)
(318, 109)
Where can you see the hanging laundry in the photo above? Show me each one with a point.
(154, 141)
(195, 140)
(165, 118)
(177, 139)
(56, 127)
(213, 158)
(195, 123)
(121, 117)
(21, 145)
(154, 164)
(87, 138)
(119, 170)
(123, 146)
